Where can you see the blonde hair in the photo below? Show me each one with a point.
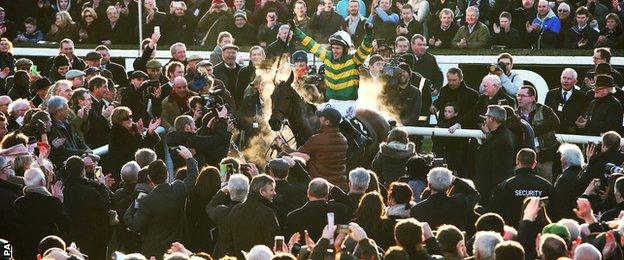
(66, 18)
(10, 44)
(172, 6)
(89, 10)
(120, 114)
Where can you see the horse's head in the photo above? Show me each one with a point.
(282, 102)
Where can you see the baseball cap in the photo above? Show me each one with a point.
(330, 114)
(279, 164)
(91, 70)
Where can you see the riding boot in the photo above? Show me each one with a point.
(347, 128)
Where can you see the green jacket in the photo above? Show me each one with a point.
(342, 76)
(479, 38)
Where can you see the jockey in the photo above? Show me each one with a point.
(342, 74)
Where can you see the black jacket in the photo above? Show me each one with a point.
(445, 36)
(440, 208)
(568, 112)
(313, 217)
(510, 39)
(199, 224)
(33, 227)
(97, 127)
(408, 102)
(229, 77)
(603, 115)
(218, 210)
(574, 35)
(252, 222)
(288, 198)
(427, 66)
(278, 48)
(159, 217)
(121, 200)
(413, 27)
(245, 36)
(465, 97)
(119, 73)
(508, 196)
(121, 33)
(596, 168)
(8, 193)
(139, 62)
(73, 145)
(565, 192)
(470, 119)
(495, 161)
(87, 202)
(209, 149)
(123, 144)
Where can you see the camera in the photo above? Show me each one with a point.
(391, 71)
(212, 100)
(612, 168)
(496, 67)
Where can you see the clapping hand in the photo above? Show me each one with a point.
(223, 112)
(496, 28)
(584, 211)
(184, 152)
(154, 123)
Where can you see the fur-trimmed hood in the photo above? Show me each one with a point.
(397, 150)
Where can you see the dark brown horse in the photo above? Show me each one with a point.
(288, 104)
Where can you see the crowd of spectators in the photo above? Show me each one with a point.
(188, 193)
(445, 24)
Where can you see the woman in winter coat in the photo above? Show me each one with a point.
(126, 137)
(393, 154)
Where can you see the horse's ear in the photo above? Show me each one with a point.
(291, 78)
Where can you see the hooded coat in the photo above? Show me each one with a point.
(391, 159)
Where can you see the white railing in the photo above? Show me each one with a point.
(467, 133)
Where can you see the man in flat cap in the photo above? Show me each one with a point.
(495, 156)
(227, 71)
(191, 66)
(93, 59)
(77, 78)
(154, 69)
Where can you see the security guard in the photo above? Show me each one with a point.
(508, 196)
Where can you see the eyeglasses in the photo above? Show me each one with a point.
(8, 166)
